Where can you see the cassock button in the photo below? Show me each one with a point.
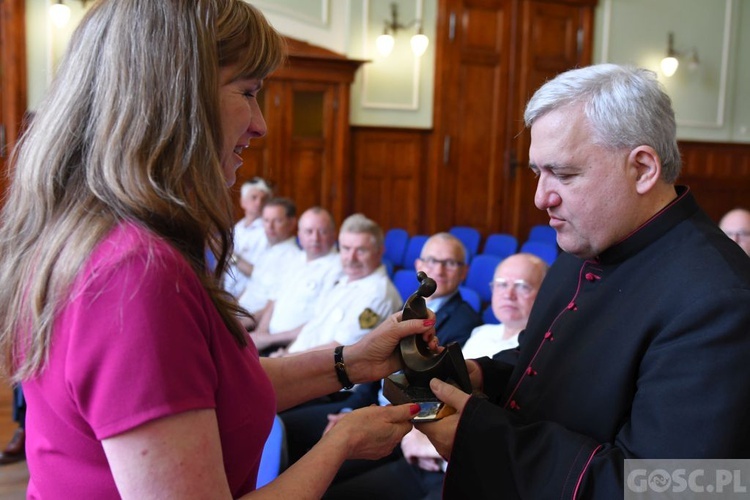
(548, 336)
(514, 406)
(530, 371)
(592, 277)
(572, 306)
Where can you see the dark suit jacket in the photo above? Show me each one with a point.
(640, 353)
(455, 320)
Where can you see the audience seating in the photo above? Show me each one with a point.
(481, 272)
(395, 242)
(470, 297)
(405, 281)
(413, 250)
(544, 234)
(545, 251)
(273, 460)
(470, 237)
(500, 244)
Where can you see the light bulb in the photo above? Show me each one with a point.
(385, 43)
(59, 13)
(669, 65)
(419, 43)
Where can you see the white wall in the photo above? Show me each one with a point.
(712, 102)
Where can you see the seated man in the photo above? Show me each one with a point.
(443, 258)
(309, 275)
(279, 221)
(358, 302)
(514, 287)
(736, 225)
(419, 472)
(249, 237)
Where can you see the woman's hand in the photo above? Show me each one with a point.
(373, 432)
(442, 432)
(375, 356)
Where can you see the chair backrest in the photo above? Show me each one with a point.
(413, 250)
(545, 251)
(470, 297)
(389, 267)
(500, 244)
(481, 271)
(405, 281)
(470, 237)
(543, 233)
(489, 317)
(273, 461)
(395, 241)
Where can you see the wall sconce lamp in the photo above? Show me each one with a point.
(60, 13)
(385, 42)
(670, 63)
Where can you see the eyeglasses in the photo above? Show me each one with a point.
(448, 263)
(520, 286)
(738, 235)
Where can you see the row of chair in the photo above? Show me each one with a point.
(401, 249)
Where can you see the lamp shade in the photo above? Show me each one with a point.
(669, 65)
(419, 43)
(60, 14)
(384, 44)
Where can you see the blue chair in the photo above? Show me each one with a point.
(500, 244)
(481, 272)
(543, 233)
(470, 297)
(395, 242)
(470, 237)
(274, 458)
(489, 317)
(545, 251)
(405, 281)
(389, 267)
(413, 250)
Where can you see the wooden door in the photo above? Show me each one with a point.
(466, 172)
(554, 36)
(12, 80)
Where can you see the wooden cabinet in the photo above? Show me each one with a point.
(305, 153)
(491, 56)
(12, 81)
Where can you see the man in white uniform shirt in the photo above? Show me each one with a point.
(279, 222)
(358, 302)
(309, 275)
(249, 236)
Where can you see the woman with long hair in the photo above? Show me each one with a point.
(140, 381)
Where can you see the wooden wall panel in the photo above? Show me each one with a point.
(387, 168)
(718, 174)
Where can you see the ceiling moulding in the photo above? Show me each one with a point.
(322, 20)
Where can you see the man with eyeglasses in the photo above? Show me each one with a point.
(443, 258)
(419, 472)
(736, 225)
(514, 287)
